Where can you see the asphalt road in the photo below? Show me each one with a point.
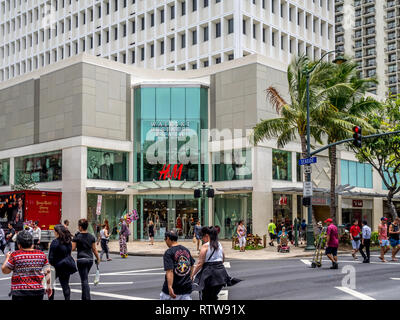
(286, 279)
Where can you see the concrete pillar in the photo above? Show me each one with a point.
(12, 172)
(262, 208)
(294, 207)
(131, 226)
(74, 197)
(377, 213)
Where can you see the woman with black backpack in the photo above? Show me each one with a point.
(60, 258)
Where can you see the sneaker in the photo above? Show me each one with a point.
(366, 261)
(109, 259)
(335, 266)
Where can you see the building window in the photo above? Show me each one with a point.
(183, 41)
(230, 26)
(205, 33)
(107, 165)
(172, 12)
(43, 167)
(217, 30)
(232, 165)
(281, 165)
(4, 172)
(356, 174)
(194, 37)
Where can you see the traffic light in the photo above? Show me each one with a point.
(210, 193)
(197, 193)
(357, 136)
(307, 202)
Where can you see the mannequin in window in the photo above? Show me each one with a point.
(184, 224)
(179, 224)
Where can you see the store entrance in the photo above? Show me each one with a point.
(172, 212)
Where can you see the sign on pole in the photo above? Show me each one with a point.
(307, 189)
(307, 169)
(99, 200)
(302, 162)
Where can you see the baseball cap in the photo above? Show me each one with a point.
(383, 219)
(328, 220)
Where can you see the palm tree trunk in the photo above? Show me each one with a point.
(392, 208)
(304, 153)
(332, 160)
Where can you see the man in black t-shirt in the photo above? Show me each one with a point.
(178, 264)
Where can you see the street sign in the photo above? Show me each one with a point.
(307, 169)
(302, 162)
(307, 189)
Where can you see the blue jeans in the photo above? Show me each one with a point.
(84, 266)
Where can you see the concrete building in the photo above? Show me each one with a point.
(366, 29)
(87, 126)
(160, 34)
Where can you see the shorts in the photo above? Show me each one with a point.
(355, 244)
(331, 250)
(242, 241)
(394, 242)
(271, 236)
(384, 243)
(164, 296)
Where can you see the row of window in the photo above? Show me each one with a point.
(113, 165)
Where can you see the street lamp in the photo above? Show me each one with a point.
(307, 72)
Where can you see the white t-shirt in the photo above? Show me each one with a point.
(217, 256)
(36, 233)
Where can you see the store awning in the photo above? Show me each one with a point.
(165, 185)
(235, 189)
(105, 189)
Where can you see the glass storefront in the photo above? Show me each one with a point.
(41, 167)
(356, 209)
(281, 165)
(168, 212)
(282, 207)
(229, 210)
(107, 165)
(168, 124)
(232, 165)
(113, 207)
(4, 172)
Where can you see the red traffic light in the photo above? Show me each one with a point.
(357, 129)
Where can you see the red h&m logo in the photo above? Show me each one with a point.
(166, 173)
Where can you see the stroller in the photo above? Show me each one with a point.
(283, 246)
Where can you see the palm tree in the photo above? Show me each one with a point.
(292, 120)
(344, 108)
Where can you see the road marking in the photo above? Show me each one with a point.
(128, 272)
(223, 295)
(227, 265)
(360, 262)
(395, 278)
(5, 278)
(109, 295)
(307, 262)
(106, 283)
(355, 293)
(131, 274)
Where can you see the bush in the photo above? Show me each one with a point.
(374, 238)
(252, 242)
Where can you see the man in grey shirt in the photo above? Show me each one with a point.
(366, 241)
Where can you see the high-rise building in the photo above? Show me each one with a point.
(366, 29)
(160, 34)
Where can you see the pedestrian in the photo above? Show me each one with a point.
(209, 273)
(178, 263)
(10, 238)
(394, 232)
(123, 234)
(2, 240)
(66, 223)
(355, 238)
(37, 234)
(197, 234)
(85, 244)
(272, 232)
(29, 267)
(332, 243)
(151, 232)
(105, 238)
(303, 231)
(383, 238)
(241, 234)
(60, 258)
(366, 241)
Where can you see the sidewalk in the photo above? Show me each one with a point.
(143, 248)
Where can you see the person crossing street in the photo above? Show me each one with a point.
(332, 243)
(394, 234)
(355, 238)
(366, 241)
(383, 238)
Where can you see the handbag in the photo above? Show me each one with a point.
(68, 265)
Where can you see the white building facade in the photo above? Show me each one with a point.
(160, 34)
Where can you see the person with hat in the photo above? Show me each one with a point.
(332, 243)
(383, 238)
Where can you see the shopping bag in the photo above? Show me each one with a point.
(97, 276)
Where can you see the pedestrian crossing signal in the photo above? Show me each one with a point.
(210, 193)
(357, 142)
(307, 202)
(197, 193)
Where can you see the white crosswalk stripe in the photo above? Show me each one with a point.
(355, 293)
